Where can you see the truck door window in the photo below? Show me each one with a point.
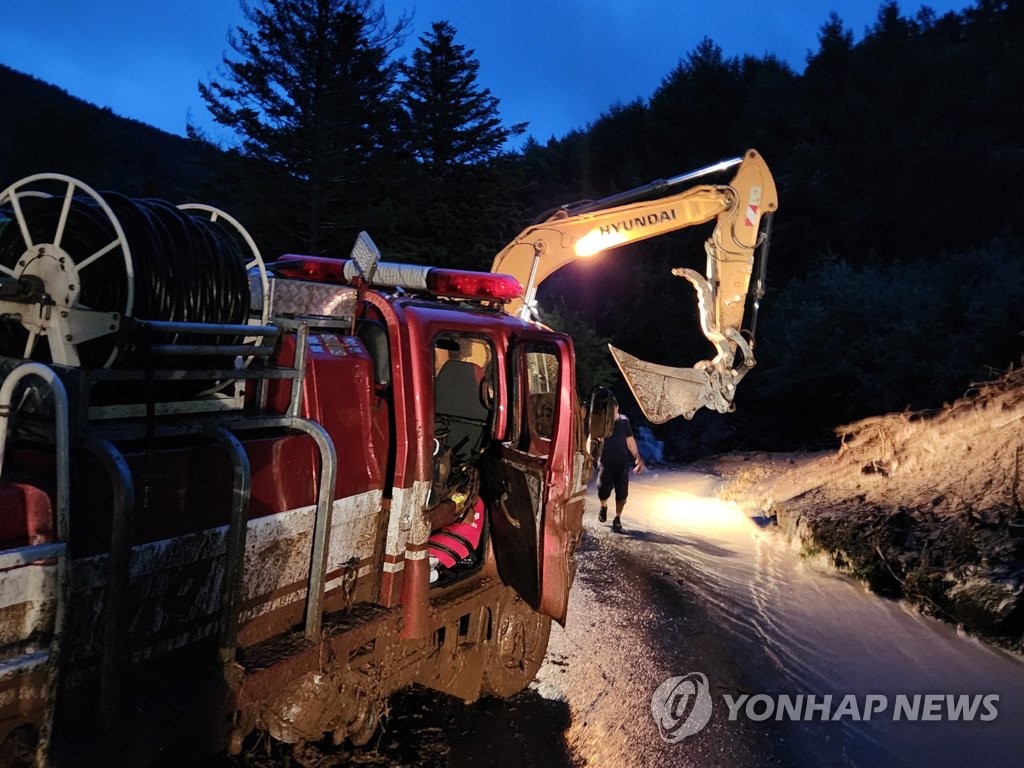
(541, 391)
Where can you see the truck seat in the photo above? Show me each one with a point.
(459, 411)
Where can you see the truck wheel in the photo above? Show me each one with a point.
(519, 639)
(362, 728)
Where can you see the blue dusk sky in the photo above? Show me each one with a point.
(554, 65)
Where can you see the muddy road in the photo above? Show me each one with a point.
(698, 591)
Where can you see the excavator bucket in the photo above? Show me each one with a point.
(664, 392)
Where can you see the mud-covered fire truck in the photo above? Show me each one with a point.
(239, 496)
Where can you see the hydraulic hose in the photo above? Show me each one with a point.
(182, 267)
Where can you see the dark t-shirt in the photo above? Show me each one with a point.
(615, 453)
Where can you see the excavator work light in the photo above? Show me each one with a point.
(596, 241)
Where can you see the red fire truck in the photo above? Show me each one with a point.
(239, 496)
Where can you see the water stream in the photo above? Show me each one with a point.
(825, 634)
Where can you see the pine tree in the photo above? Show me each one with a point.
(311, 96)
(693, 111)
(462, 212)
(453, 120)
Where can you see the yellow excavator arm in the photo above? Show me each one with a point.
(742, 210)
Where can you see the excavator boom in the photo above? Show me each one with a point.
(741, 211)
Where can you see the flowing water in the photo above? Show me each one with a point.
(905, 689)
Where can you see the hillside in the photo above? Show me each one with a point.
(924, 507)
(46, 130)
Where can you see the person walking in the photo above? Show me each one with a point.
(618, 455)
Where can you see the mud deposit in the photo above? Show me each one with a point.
(429, 730)
(921, 506)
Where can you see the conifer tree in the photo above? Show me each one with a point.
(463, 210)
(453, 120)
(311, 96)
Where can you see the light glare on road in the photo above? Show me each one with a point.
(710, 515)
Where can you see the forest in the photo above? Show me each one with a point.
(897, 254)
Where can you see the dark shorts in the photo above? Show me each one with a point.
(613, 477)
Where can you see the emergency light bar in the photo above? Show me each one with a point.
(452, 283)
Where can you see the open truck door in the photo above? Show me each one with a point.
(535, 517)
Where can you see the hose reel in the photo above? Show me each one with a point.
(77, 266)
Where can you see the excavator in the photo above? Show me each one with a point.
(742, 210)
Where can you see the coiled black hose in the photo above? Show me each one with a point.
(186, 269)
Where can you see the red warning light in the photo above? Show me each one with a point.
(315, 269)
(463, 284)
(452, 283)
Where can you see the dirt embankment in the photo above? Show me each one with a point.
(924, 507)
